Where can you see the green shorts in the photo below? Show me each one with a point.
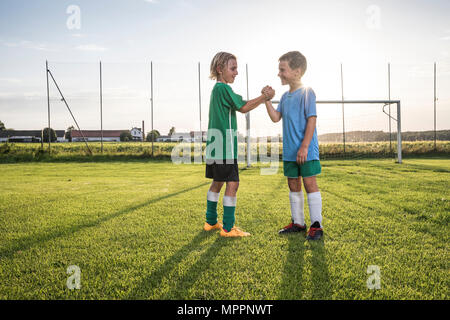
(294, 170)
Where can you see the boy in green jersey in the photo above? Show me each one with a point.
(221, 146)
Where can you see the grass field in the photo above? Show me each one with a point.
(135, 231)
(77, 151)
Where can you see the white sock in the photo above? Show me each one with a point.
(315, 207)
(297, 203)
(229, 201)
(212, 196)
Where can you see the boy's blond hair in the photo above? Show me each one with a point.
(220, 60)
(295, 60)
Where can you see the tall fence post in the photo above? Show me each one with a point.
(435, 148)
(389, 98)
(70, 111)
(399, 134)
(343, 116)
(48, 106)
(151, 102)
(101, 107)
(200, 105)
(247, 118)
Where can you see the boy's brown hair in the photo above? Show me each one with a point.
(295, 60)
(220, 60)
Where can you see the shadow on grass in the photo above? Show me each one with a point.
(34, 240)
(320, 278)
(178, 290)
(292, 286)
(428, 167)
(146, 288)
(393, 209)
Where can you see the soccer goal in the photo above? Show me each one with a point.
(383, 103)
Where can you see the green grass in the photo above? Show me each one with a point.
(135, 231)
(114, 151)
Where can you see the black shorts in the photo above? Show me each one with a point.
(223, 171)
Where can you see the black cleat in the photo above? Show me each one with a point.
(315, 232)
(292, 227)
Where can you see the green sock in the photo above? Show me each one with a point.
(211, 207)
(228, 218)
(211, 212)
(229, 208)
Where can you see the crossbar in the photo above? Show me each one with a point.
(385, 102)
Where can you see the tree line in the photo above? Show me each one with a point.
(351, 136)
(124, 136)
(379, 136)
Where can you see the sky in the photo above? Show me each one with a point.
(176, 36)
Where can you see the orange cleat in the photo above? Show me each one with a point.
(235, 232)
(208, 227)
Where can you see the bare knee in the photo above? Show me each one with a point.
(232, 188)
(310, 184)
(295, 184)
(216, 186)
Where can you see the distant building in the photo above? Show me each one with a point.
(182, 136)
(137, 134)
(163, 139)
(197, 136)
(27, 136)
(96, 135)
(177, 137)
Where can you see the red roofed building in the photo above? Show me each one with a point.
(96, 135)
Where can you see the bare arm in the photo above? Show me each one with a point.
(252, 104)
(302, 153)
(274, 115)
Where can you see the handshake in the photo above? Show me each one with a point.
(268, 92)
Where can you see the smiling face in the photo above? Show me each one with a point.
(287, 75)
(229, 72)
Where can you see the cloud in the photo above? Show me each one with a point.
(10, 80)
(31, 95)
(152, 1)
(29, 45)
(447, 36)
(124, 93)
(90, 47)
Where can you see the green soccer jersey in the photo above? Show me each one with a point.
(222, 125)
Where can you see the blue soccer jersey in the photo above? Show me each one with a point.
(296, 108)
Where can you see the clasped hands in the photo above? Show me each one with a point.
(268, 92)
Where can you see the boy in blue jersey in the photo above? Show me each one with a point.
(297, 108)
